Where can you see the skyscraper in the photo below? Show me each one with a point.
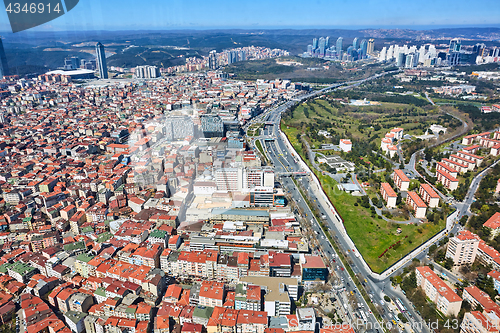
(101, 61)
(371, 46)
(212, 60)
(364, 47)
(339, 47)
(315, 43)
(327, 43)
(355, 43)
(455, 45)
(321, 46)
(4, 67)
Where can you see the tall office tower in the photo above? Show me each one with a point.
(71, 63)
(101, 61)
(4, 67)
(495, 52)
(212, 126)
(355, 43)
(410, 60)
(212, 60)
(401, 60)
(74, 62)
(309, 49)
(315, 43)
(349, 52)
(371, 46)
(364, 47)
(321, 46)
(339, 47)
(455, 45)
(327, 42)
(479, 49)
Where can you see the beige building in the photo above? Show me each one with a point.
(401, 180)
(477, 322)
(388, 194)
(447, 301)
(463, 248)
(493, 224)
(429, 195)
(417, 204)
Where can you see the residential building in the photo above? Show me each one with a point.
(390, 197)
(462, 248)
(428, 195)
(417, 204)
(446, 300)
(401, 180)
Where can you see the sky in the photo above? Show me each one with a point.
(261, 14)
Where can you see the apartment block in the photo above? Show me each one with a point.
(428, 195)
(493, 223)
(475, 296)
(401, 180)
(463, 248)
(388, 194)
(417, 204)
(447, 301)
(448, 181)
(477, 322)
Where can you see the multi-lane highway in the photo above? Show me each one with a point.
(285, 160)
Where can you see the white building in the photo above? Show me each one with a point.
(345, 145)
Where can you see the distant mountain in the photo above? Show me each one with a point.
(167, 48)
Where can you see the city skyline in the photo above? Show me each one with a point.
(128, 15)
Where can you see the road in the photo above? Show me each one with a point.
(286, 160)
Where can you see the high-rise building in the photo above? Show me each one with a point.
(212, 60)
(479, 49)
(71, 63)
(321, 46)
(212, 125)
(4, 67)
(401, 59)
(147, 72)
(101, 61)
(327, 42)
(371, 46)
(364, 47)
(455, 45)
(315, 43)
(339, 47)
(355, 43)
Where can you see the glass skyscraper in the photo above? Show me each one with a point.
(339, 47)
(4, 67)
(355, 43)
(101, 61)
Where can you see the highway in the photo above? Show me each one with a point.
(285, 160)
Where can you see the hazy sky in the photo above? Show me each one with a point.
(172, 14)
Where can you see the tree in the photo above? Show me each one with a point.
(448, 264)
(432, 248)
(409, 283)
(387, 299)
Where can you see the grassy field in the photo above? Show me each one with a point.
(372, 236)
(361, 122)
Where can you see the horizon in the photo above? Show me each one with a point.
(128, 15)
